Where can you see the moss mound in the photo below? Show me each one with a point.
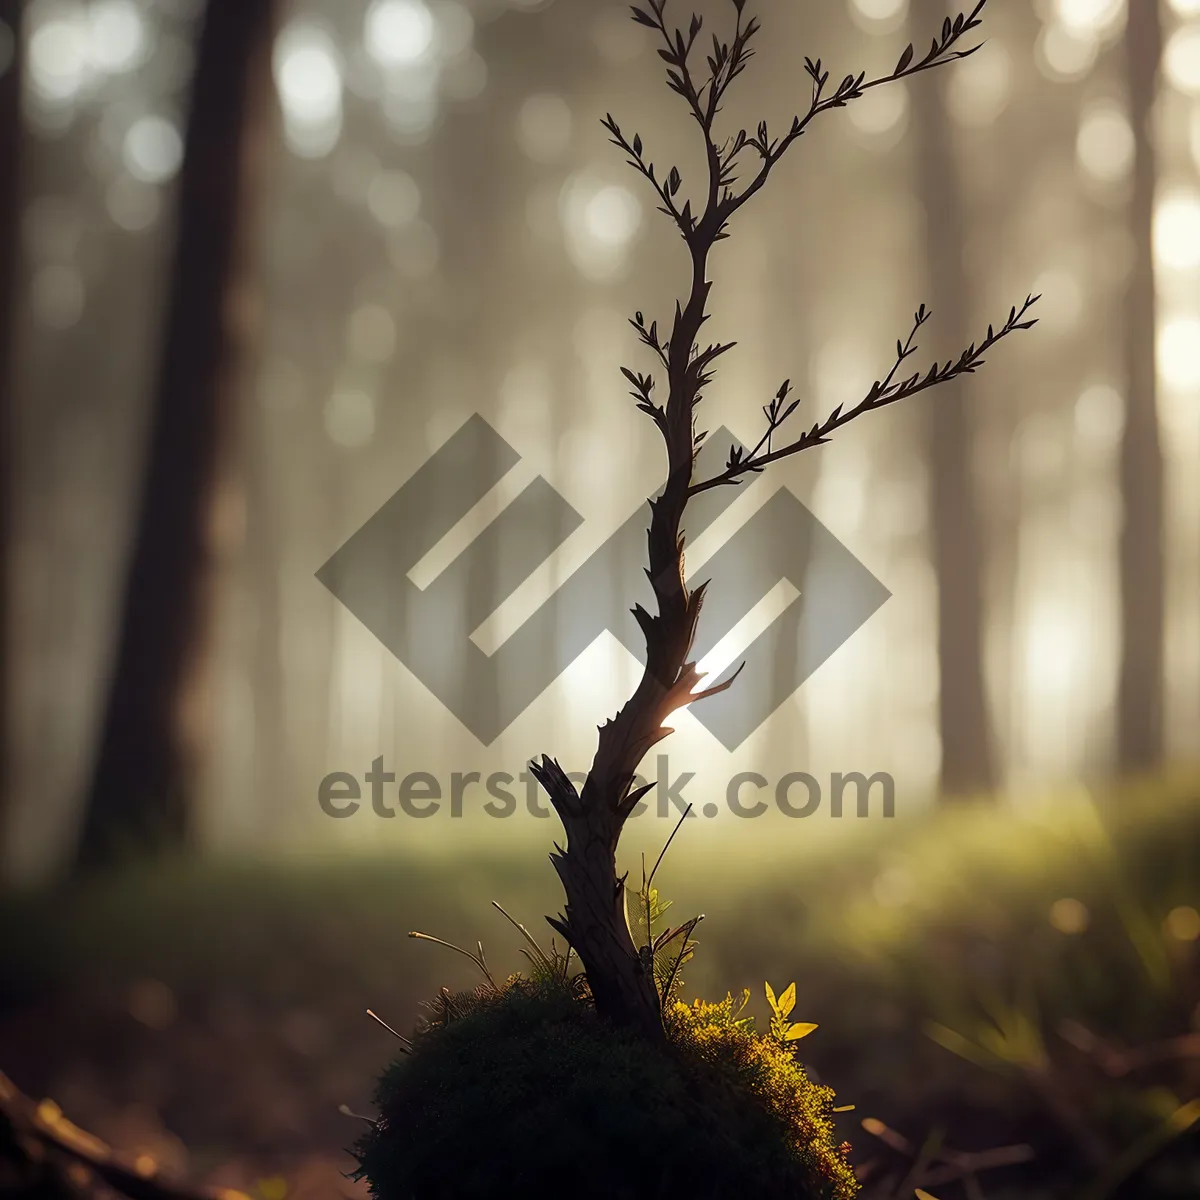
(524, 1090)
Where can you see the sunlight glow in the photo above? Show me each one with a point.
(398, 32)
(976, 98)
(153, 149)
(1090, 16)
(880, 10)
(1181, 59)
(308, 76)
(599, 221)
(1064, 54)
(1179, 352)
(71, 47)
(879, 16)
(58, 56)
(612, 215)
(735, 643)
(1056, 649)
(880, 112)
(118, 35)
(1177, 231)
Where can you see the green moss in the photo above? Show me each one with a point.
(526, 1091)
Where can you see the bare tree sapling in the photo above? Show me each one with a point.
(594, 922)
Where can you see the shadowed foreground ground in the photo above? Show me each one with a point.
(993, 981)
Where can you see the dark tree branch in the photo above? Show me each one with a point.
(46, 1142)
(622, 979)
(941, 53)
(882, 393)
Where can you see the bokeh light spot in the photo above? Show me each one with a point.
(1177, 231)
(308, 77)
(1181, 59)
(350, 419)
(1179, 352)
(1105, 144)
(1090, 16)
(1069, 916)
(1183, 923)
(398, 31)
(879, 16)
(393, 198)
(1065, 54)
(118, 35)
(153, 149)
(977, 96)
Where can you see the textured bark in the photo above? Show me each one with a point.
(968, 759)
(1140, 686)
(10, 206)
(141, 790)
(594, 921)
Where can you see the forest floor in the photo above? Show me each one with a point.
(981, 978)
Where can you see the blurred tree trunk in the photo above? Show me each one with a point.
(144, 775)
(1140, 686)
(968, 765)
(274, 780)
(10, 209)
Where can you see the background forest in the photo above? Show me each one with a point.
(260, 260)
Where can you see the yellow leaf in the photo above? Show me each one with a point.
(1187, 1116)
(921, 1194)
(274, 1187)
(788, 1000)
(795, 1032)
(771, 998)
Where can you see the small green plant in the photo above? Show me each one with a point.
(782, 1027)
(522, 1087)
(664, 954)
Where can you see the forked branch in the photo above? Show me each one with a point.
(689, 367)
(593, 816)
(882, 393)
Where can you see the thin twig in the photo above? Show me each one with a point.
(476, 959)
(405, 1044)
(45, 1123)
(541, 954)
